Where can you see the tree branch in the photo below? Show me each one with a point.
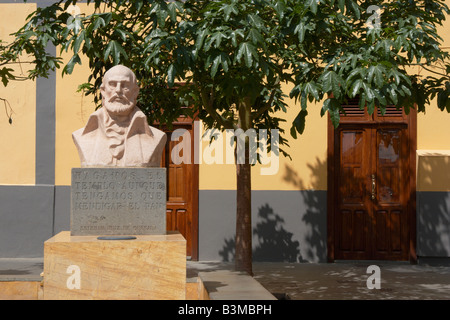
(6, 109)
(268, 105)
(429, 70)
(245, 114)
(208, 104)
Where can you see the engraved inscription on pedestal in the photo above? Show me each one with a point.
(118, 201)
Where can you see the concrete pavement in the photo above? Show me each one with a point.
(348, 280)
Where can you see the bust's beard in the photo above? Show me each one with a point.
(119, 108)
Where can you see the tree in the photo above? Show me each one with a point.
(10, 57)
(7, 75)
(232, 57)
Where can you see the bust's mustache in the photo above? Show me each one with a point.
(122, 99)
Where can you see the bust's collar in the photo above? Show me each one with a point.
(138, 123)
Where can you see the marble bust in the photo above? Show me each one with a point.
(118, 134)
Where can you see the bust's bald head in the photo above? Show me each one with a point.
(120, 69)
(119, 91)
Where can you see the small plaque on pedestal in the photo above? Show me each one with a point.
(118, 201)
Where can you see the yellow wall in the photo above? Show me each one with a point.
(433, 142)
(433, 170)
(433, 127)
(17, 140)
(72, 112)
(306, 170)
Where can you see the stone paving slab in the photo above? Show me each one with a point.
(232, 285)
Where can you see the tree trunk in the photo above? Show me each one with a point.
(243, 250)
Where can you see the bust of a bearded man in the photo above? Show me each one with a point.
(118, 134)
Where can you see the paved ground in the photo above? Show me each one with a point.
(428, 280)
(339, 281)
(21, 269)
(348, 281)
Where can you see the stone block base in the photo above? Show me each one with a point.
(150, 267)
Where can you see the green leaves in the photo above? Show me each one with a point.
(302, 28)
(333, 106)
(443, 100)
(311, 90)
(233, 53)
(220, 59)
(355, 88)
(332, 83)
(312, 5)
(68, 69)
(98, 22)
(215, 40)
(78, 41)
(115, 50)
(171, 74)
(227, 9)
(247, 52)
(345, 59)
(161, 11)
(376, 73)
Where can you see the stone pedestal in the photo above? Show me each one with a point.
(150, 267)
(118, 201)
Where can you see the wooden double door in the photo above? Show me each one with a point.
(372, 183)
(182, 185)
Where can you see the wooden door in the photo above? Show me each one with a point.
(353, 207)
(370, 188)
(390, 193)
(182, 188)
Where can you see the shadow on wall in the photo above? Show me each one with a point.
(308, 212)
(433, 207)
(274, 244)
(315, 216)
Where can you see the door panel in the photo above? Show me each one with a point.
(389, 160)
(390, 203)
(353, 169)
(371, 203)
(352, 216)
(182, 189)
